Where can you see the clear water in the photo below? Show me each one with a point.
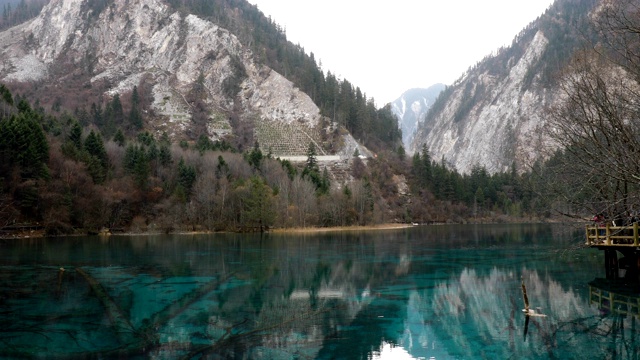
(441, 292)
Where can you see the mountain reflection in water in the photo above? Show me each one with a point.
(420, 293)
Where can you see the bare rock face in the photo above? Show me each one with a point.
(502, 119)
(182, 56)
(411, 107)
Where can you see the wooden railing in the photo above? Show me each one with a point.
(614, 302)
(612, 235)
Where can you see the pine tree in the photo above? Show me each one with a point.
(255, 156)
(186, 177)
(312, 161)
(94, 145)
(135, 118)
(258, 206)
(75, 135)
(118, 138)
(136, 162)
(98, 160)
(222, 169)
(97, 115)
(164, 155)
(23, 144)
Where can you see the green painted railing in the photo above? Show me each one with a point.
(612, 235)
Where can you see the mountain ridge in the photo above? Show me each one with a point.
(494, 115)
(411, 107)
(201, 79)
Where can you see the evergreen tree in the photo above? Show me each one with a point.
(136, 162)
(94, 145)
(23, 144)
(312, 161)
(97, 115)
(23, 106)
(291, 170)
(222, 169)
(97, 161)
(135, 118)
(75, 135)
(7, 99)
(186, 177)
(325, 183)
(204, 144)
(164, 155)
(258, 206)
(255, 156)
(146, 138)
(119, 139)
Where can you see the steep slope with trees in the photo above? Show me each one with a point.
(495, 114)
(338, 99)
(177, 133)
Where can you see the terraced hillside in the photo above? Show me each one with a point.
(282, 139)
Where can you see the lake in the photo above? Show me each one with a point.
(427, 292)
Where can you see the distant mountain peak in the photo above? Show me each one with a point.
(411, 107)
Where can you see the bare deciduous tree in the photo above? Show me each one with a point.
(597, 120)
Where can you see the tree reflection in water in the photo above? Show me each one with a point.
(448, 293)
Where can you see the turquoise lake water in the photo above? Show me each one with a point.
(427, 292)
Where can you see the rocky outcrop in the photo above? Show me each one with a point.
(496, 115)
(127, 42)
(411, 107)
(491, 121)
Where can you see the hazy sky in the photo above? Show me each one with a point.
(388, 47)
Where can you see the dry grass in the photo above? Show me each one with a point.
(341, 228)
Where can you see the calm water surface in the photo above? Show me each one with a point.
(441, 292)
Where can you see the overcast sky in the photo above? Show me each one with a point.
(388, 47)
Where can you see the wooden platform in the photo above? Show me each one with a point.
(613, 236)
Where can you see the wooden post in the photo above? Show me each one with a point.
(635, 234)
(611, 264)
(608, 234)
(586, 231)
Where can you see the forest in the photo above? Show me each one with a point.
(70, 178)
(86, 163)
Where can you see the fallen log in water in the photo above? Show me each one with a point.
(123, 328)
(138, 341)
(177, 307)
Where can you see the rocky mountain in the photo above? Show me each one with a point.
(196, 76)
(494, 115)
(411, 107)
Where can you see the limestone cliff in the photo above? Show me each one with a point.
(502, 123)
(126, 43)
(494, 115)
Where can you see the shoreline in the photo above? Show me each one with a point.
(390, 226)
(38, 234)
(306, 230)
